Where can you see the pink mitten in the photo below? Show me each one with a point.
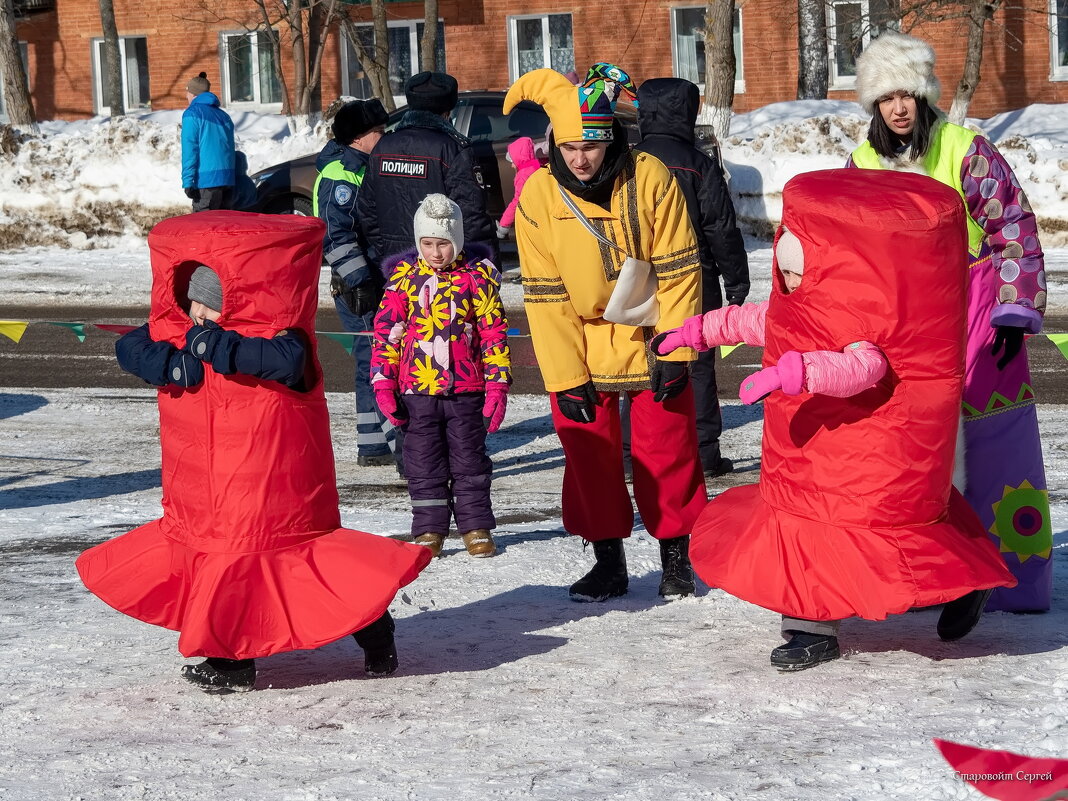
(788, 375)
(493, 409)
(687, 335)
(386, 398)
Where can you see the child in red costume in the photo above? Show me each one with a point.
(854, 513)
(249, 558)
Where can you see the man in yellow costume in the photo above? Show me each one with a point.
(609, 259)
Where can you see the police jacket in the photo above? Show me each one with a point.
(341, 173)
(425, 154)
(667, 112)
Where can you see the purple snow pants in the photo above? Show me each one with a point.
(446, 464)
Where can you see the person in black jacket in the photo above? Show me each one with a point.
(423, 156)
(667, 112)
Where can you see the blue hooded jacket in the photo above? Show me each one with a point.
(207, 144)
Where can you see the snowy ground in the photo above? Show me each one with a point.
(506, 689)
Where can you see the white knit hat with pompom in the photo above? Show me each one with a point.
(439, 217)
(896, 62)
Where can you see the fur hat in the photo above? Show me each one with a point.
(431, 91)
(355, 119)
(896, 62)
(578, 113)
(205, 287)
(199, 84)
(439, 217)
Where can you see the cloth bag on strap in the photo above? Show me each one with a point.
(633, 300)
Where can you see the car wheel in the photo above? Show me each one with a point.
(302, 206)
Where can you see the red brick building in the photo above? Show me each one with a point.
(486, 44)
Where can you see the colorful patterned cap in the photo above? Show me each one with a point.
(582, 113)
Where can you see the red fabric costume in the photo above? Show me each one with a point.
(855, 513)
(249, 558)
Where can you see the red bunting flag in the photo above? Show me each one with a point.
(1008, 776)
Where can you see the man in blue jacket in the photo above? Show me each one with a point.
(207, 148)
(355, 278)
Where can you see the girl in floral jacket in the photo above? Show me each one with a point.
(440, 367)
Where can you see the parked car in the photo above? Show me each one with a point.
(287, 188)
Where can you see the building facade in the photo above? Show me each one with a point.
(487, 44)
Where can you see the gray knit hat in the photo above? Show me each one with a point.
(205, 287)
(199, 84)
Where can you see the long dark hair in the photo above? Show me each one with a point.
(886, 143)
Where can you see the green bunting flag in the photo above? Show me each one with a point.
(77, 328)
(347, 341)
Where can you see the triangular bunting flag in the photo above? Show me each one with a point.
(727, 350)
(77, 328)
(1061, 341)
(1005, 775)
(347, 341)
(13, 329)
(115, 328)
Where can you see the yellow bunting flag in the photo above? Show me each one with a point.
(77, 328)
(1061, 341)
(347, 341)
(13, 329)
(727, 350)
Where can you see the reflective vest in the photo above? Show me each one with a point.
(334, 171)
(949, 147)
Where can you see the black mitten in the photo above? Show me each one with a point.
(192, 193)
(213, 344)
(1011, 338)
(578, 404)
(669, 379)
(184, 370)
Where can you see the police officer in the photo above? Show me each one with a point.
(424, 155)
(355, 278)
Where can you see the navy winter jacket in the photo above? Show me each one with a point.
(341, 174)
(207, 144)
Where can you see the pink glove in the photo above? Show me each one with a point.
(788, 375)
(493, 409)
(386, 398)
(687, 335)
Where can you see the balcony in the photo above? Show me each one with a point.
(24, 8)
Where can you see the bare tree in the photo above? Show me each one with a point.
(375, 57)
(812, 64)
(113, 94)
(720, 65)
(16, 87)
(429, 45)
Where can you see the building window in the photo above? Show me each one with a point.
(850, 26)
(133, 55)
(24, 53)
(249, 76)
(688, 41)
(1059, 40)
(540, 41)
(405, 37)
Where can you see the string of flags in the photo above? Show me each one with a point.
(14, 330)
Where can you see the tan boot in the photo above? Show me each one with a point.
(479, 543)
(431, 541)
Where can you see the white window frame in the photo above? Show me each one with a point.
(256, 104)
(24, 53)
(100, 71)
(513, 49)
(1057, 72)
(739, 69)
(414, 48)
(844, 82)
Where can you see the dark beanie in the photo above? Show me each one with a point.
(431, 91)
(205, 287)
(355, 119)
(199, 84)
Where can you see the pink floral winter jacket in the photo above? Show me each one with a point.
(439, 333)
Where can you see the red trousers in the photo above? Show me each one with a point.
(669, 485)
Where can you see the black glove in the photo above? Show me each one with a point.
(578, 404)
(669, 379)
(213, 344)
(363, 298)
(735, 301)
(184, 370)
(192, 192)
(1012, 339)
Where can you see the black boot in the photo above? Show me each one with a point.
(804, 651)
(960, 616)
(379, 649)
(608, 578)
(677, 581)
(220, 676)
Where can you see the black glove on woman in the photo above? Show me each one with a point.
(669, 379)
(1011, 338)
(578, 404)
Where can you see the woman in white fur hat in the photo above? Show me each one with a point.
(1005, 478)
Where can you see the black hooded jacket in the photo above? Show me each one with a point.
(667, 112)
(423, 156)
